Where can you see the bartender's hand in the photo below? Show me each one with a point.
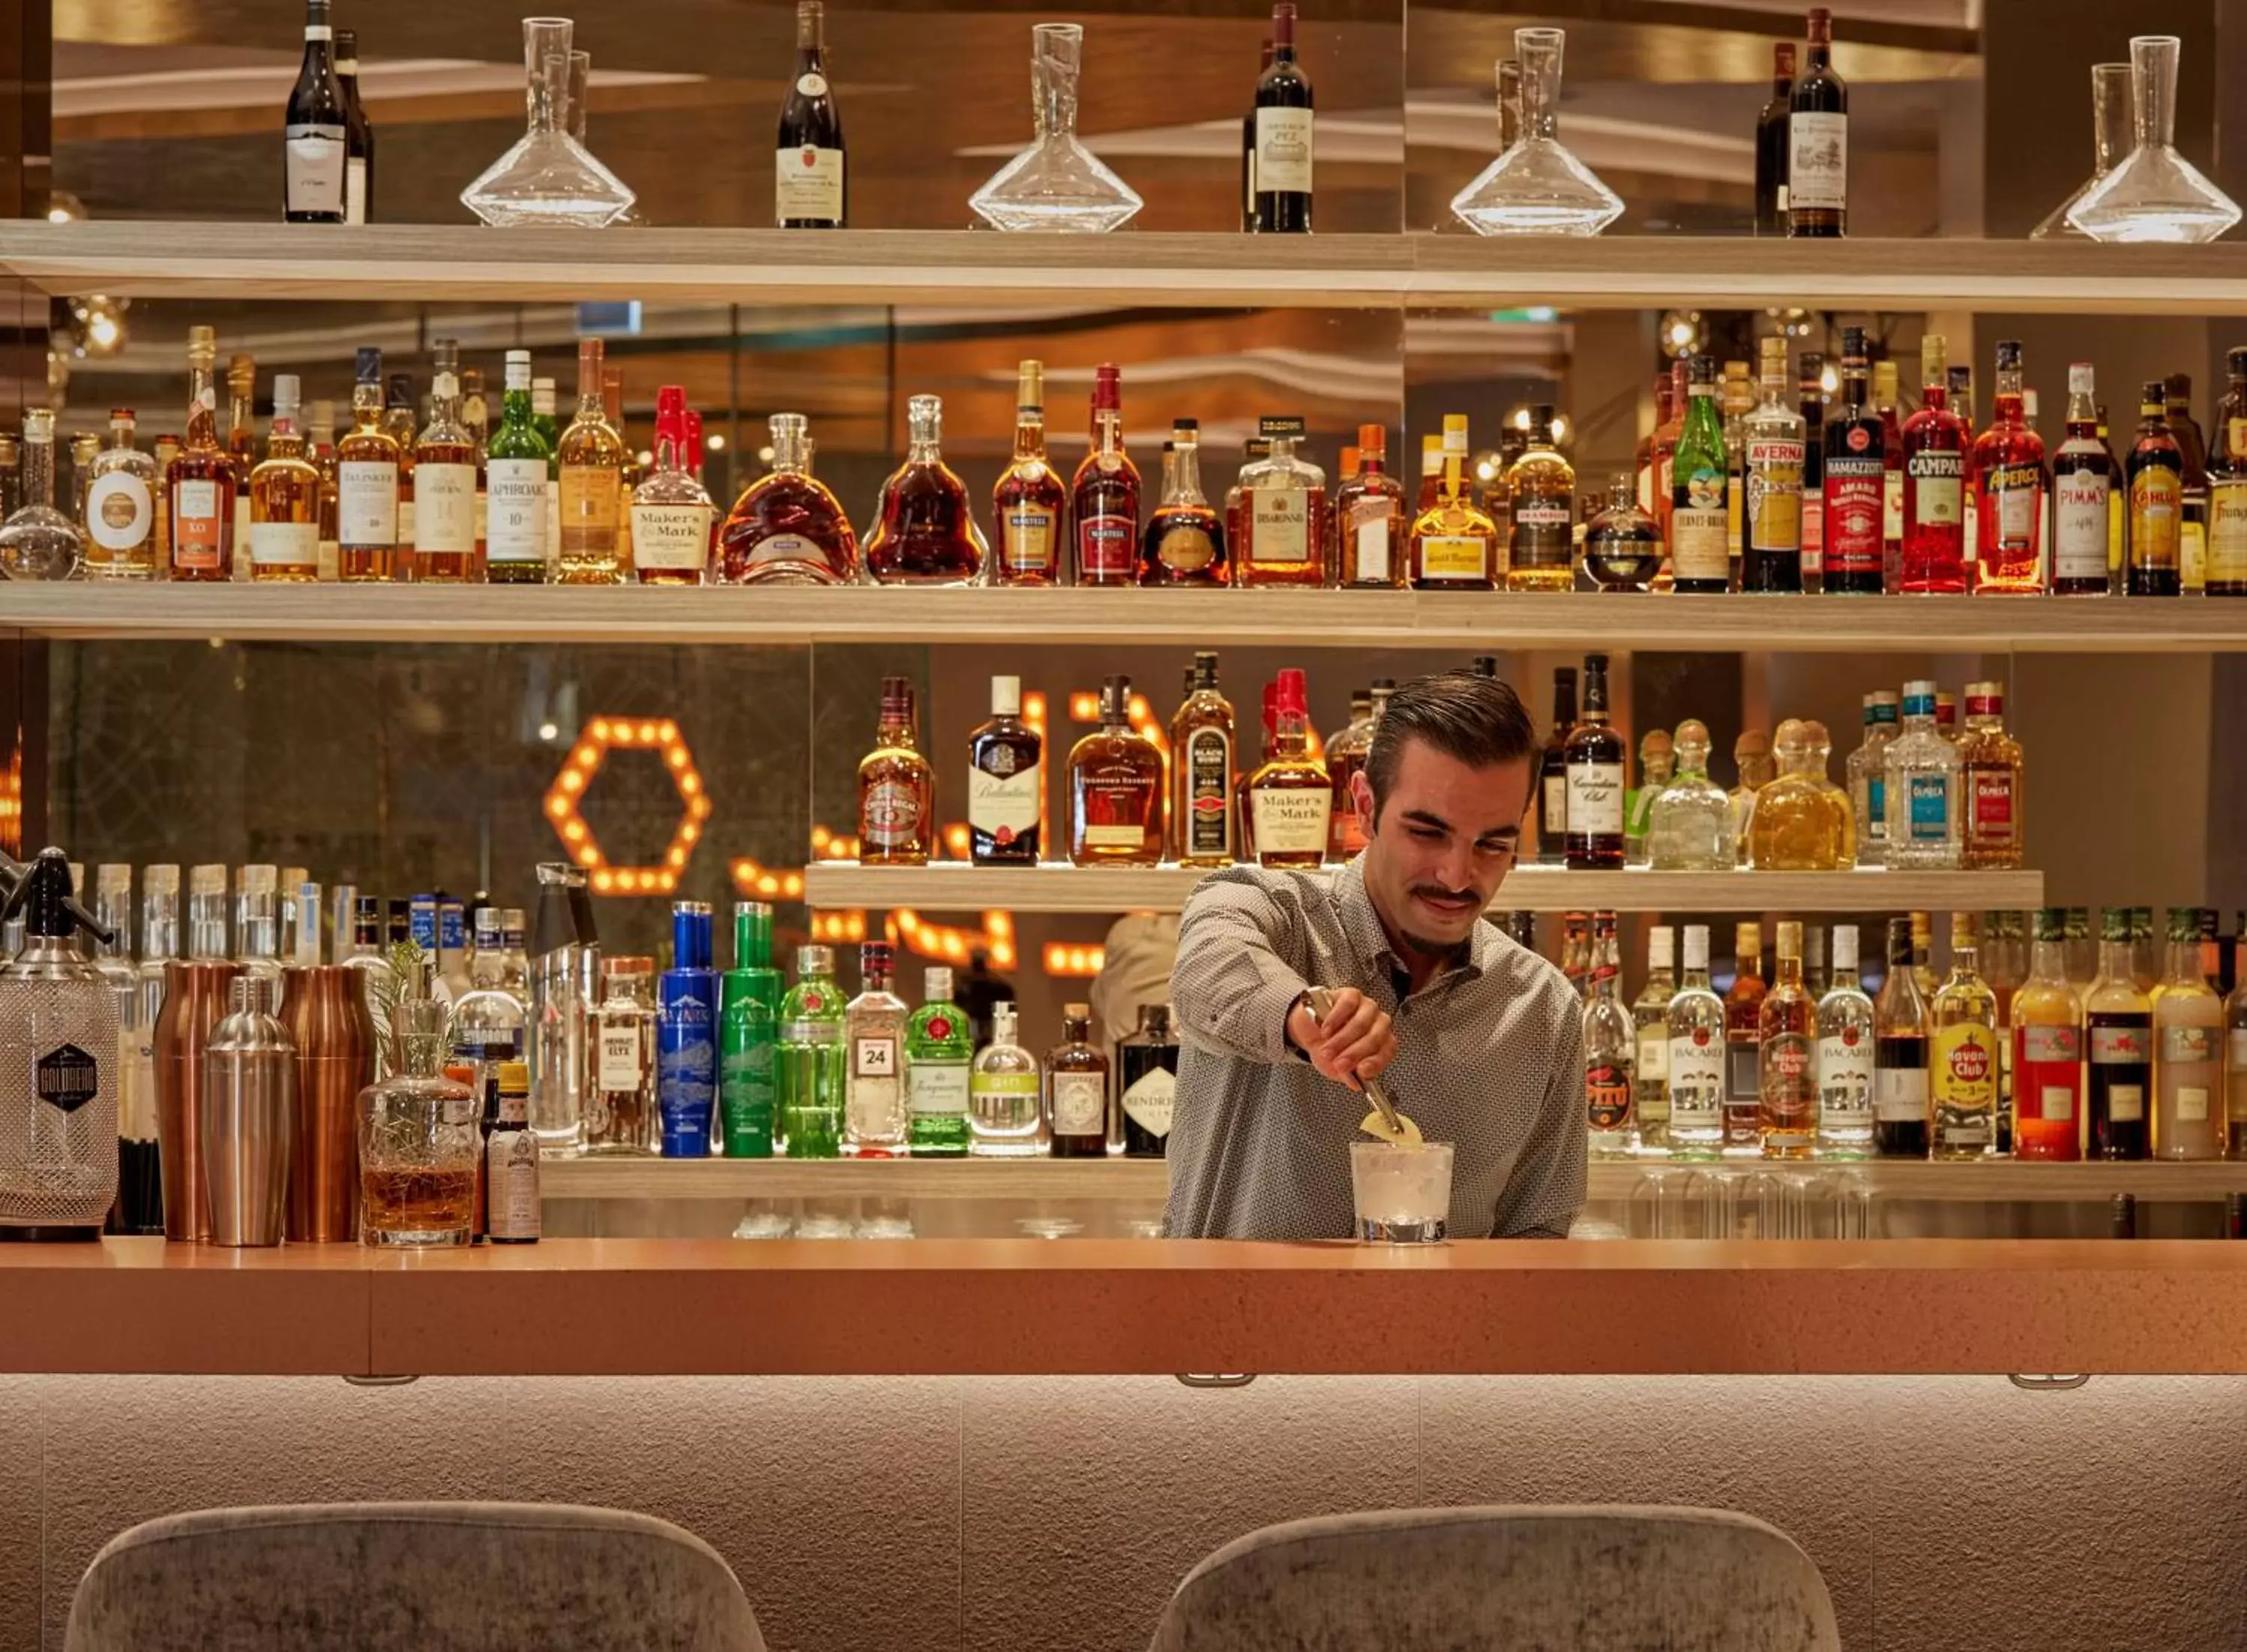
(1355, 1041)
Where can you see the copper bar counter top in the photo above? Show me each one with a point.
(1037, 1307)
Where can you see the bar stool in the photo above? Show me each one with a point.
(411, 1577)
(1598, 1579)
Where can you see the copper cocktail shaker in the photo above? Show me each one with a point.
(195, 1002)
(325, 1009)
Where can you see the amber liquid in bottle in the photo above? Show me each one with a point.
(1184, 542)
(1077, 1089)
(1291, 797)
(787, 528)
(1116, 790)
(1105, 508)
(1029, 506)
(200, 484)
(897, 788)
(926, 535)
(1202, 770)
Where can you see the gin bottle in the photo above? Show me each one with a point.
(1147, 1064)
(1845, 1057)
(1921, 788)
(1077, 1089)
(873, 1026)
(940, 1052)
(1695, 1027)
(811, 1058)
(1610, 1051)
(489, 1020)
(1004, 1115)
(1649, 1013)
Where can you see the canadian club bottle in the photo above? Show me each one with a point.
(1006, 788)
(316, 139)
(1202, 772)
(1281, 163)
(809, 187)
(1593, 760)
(1856, 477)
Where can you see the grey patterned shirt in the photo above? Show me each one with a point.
(1490, 1057)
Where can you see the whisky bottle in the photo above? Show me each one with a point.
(1786, 1056)
(1104, 502)
(1006, 783)
(1552, 772)
(2227, 485)
(1077, 1089)
(669, 510)
(924, 533)
(1346, 753)
(516, 461)
(1770, 517)
(2156, 481)
(2047, 1037)
(1291, 797)
(2119, 1036)
(1962, 1053)
(896, 789)
(1202, 768)
(120, 507)
(2192, 500)
(591, 459)
(787, 528)
(1742, 1046)
(1990, 763)
(1540, 486)
(367, 462)
(1454, 542)
(1700, 546)
(1116, 789)
(1186, 542)
(199, 483)
(1594, 761)
(284, 497)
(1284, 512)
(445, 481)
(398, 420)
(1369, 521)
(1028, 502)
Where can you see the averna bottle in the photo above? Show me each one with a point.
(316, 137)
(810, 188)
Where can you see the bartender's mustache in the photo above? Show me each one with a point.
(1438, 893)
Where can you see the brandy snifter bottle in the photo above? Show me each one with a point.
(786, 527)
(926, 533)
(1116, 789)
(1185, 542)
(897, 788)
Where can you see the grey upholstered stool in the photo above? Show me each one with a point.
(1506, 1580)
(410, 1577)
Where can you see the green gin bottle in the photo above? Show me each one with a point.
(811, 1058)
(748, 1031)
(940, 1050)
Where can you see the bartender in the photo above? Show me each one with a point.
(1478, 1039)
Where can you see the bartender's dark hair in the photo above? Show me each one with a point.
(1477, 719)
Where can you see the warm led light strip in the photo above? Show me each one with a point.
(594, 742)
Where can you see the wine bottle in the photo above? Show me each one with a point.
(359, 176)
(808, 177)
(1282, 159)
(316, 134)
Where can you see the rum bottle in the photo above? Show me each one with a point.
(1845, 1056)
(1900, 1088)
(516, 459)
(2084, 483)
(1963, 1054)
(1818, 139)
(1116, 789)
(1370, 523)
(2227, 488)
(924, 533)
(1855, 470)
(2047, 1032)
(1770, 514)
(592, 459)
(200, 484)
(787, 528)
(445, 481)
(2157, 482)
(2235, 1062)
(1700, 553)
(1202, 765)
(2118, 1031)
(1934, 483)
(1744, 1046)
(2188, 1111)
(1454, 542)
(1593, 762)
(1291, 797)
(1147, 1083)
(1077, 1089)
(1104, 506)
(1284, 512)
(1281, 164)
(2009, 465)
(1610, 1051)
(1694, 1026)
(284, 497)
(1649, 1013)
(1541, 489)
(1786, 1056)
(1185, 542)
(897, 788)
(1028, 504)
(1006, 783)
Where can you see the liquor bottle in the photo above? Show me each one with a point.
(1248, 151)
(810, 188)
(897, 788)
(1105, 504)
(1576, 954)
(399, 421)
(749, 997)
(2145, 955)
(513, 1213)
(358, 134)
(1650, 1016)
(515, 462)
(1695, 1023)
(939, 1050)
(2009, 469)
(1700, 553)
(1743, 1047)
(1244, 816)
(1642, 464)
(686, 1031)
(320, 449)
(1884, 403)
(1454, 541)
(1006, 783)
(924, 532)
(445, 481)
(1185, 542)
(1005, 1119)
(1810, 390)
(811, 1059)
(1202, 771)
(2235, 1059)
(1027, 503)
(120, 517)
(366, 482)
(1077, 1090)
(1552, 772)
(1371, 525)
(1116, 789)
(241, 448)
(1541, 489)
(2046, 1017)
(489, 1020)
(1818, 139)
(2157, 482)
(2227, 484)
(1623, 544)
(1690, 823)
(1610, 1051)
(671, 511)
(1923, 781)
(2119, 1030)
(1291, 796)
(476, 419)
(1990, 766)
(284, 497)
(874, 1124)
(621, 1115)
(1770, 517)
(591, 460)
(1346, 752)
(315, 132)
(37, 541)
(2192, 518)
(1855, 469)
(2084, 483)
(1147, 1083)
(1772, 134)
(1282, 162)
(1786, 1056)
(613, 416)
(787, 528)
(1900, 1087)
(1794, 826)
(1846, 1057)
(1252, 451)
(1934, 457)
(1963, 1052)
(1283, 513)
(1735, 399)
(1593, 762)
(1868, 772)
(2189, 1108)
(1658, 765)
(200, 484)
(1656, 501)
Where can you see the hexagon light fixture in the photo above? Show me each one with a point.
(600, 736)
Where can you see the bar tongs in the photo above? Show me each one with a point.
(1320, 1001)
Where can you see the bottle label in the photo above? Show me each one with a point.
(1209, 794)
(445, 509)
(936, 1089)
(355, 189)
(1962, 1067)
(1817, 161)
(2155, 506)
(1127, 835)
(2227, 533)
(891, 817)
(1080, 1105)
(1892, 507)
(1283, 151)
(1697, 1083)
(807, 181)
(1700, 547)
(1607, 1095)
(1875, 822)
(2121, 1046)
(1900, 1094)
(1544, 532)
(1370, 531)
(2079, 527)
(1290, 820)
(2182, 1044)
(1774, 495)
(198, 525)
(1453, 556)
(1854, 508)
(2126, 1103)
(1105, 544)
(593, 499)
(2238, 1063)
(2011, 494)
(1278, 525)
(1595, 800)
(284, 544)
(1185, 547)
(1152, 1100)
(1927, 799)
(119, 511)
(2192, 556)
(511, 1181)
(1004, 807)
(515, 512)
(316, 154)
(1845, 1079)
(622, 1056)
(366, 502)
(1938, 488)
(786, 548)
(670, 538)
(1994, 822)
(1556, 820)
(1025, 539)
(2047, 1044)
(874, 1058)
(1653, 1054)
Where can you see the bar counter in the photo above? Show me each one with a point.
(1129, 1307)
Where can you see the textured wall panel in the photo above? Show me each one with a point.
(21, 1407)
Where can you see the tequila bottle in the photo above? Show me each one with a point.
(1794, 826)
(939, 1053)
(1786, 1056)
(1751, 759)
(1689, 825)
(1695, 1025)
(2047, 1035)
(2187, 1058)
(1867, 771)
(1989, 763)
(2119, 1035)
(1922, 787)
(1005, 1119)
(812, 1060)
(1610, 1051)
(1649, 1015)
(1963, 1054)
(873, 1026)
(1846, 1054)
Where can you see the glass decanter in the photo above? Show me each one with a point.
(421, 1137)
(1537, 186)
(575, 113)
(2156, 194)
(924, 532)
(2110, 141)
(38, 541)
(548, 177)
(1056, 183)
(787, 528)
(1689, 826)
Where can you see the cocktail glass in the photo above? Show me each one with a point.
(1403, 1191)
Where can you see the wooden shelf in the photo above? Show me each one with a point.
(957, 887)
(1461, 623)
(992, 271)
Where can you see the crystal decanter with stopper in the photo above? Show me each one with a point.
(548, 177)
(2110, 141)
(2156, 194)
(924, 531)
(38, 541)
(787, 528)
(1537, 186)
(1056, 183)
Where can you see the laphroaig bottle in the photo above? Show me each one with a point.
(514, 1212)
(517, 533)
(2047, 1028)
(1003, 1094)
(1963, 1057)
(874, 1091)
(2188, 1056)
(1695, 1024)
(748, 1036)
(939, 1053)
(1846, 1047)
(2119, 1028)
(812, 1060)
(686, 1035)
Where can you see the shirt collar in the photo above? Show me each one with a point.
(1362, 923)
